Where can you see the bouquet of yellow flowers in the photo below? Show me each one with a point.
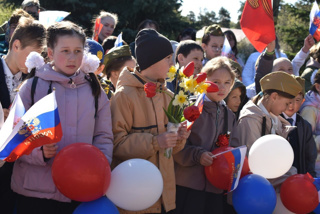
(180, 108)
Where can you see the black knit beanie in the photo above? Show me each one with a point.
(151, 47)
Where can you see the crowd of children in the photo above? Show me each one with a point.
(106, 106)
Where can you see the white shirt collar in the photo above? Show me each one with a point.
(275, 120)
(294, 117)
(12, 81)
(8, 72)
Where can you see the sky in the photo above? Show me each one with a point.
(214, 5)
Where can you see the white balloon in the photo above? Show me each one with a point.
(136, 184)
(271, 156)
(280, 208)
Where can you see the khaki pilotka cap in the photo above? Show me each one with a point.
(281, 81)
(214, 30)
(115, 53)
(302, 83)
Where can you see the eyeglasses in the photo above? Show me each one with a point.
(216, 48)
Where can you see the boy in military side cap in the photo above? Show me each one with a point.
(212, 42)
(139, 122)
(301, 138)
(262, 114)
(114, 62)
(278, 91)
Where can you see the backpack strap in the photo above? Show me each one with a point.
(264, 126)
(141, 80)
(33, 88)
(96, 98)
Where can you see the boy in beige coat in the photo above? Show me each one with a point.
(139, 123)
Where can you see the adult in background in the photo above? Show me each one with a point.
(147, 23)
(109, 22)
(30, 6)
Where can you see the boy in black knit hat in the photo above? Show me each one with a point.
(139, 122)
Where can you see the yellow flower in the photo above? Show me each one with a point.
(171, 74)
(189, 84)
(202, 88)
(181, 72)
(180, 99)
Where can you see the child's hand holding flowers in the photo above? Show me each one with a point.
(179, 108)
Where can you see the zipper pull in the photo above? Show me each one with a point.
(73, 85)
(218, 113)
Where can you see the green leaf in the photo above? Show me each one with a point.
(170, 117)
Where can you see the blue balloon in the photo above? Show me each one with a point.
(254, 194)
(100, 206)
(317, 210)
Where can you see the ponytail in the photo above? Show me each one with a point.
(96, 89)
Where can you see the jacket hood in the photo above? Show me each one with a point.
(313, 63)
(251, 110)
(312, 99)
(241, 86)
(47, 73)
(130, 77)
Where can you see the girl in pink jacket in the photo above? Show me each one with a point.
(84, 114)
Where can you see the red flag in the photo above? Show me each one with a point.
(257, 23)
(97, 29)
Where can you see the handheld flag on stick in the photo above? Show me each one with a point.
(118, 41)
(40, 125)
(227, 50)
(17, 110)
(235, 159)
(314, 28)
(49, 17)
(97, 29)
(257, 23)
(199, 103)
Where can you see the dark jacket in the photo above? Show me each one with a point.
(307, 147)
(264, 67)
(4, 91)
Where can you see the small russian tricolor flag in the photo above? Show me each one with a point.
(118, 41)
(315, 21)
(40, 125)
(235, 159)
(227, 50)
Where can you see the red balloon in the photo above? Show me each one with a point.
(299, 194)
(219, 173)
(81, 172)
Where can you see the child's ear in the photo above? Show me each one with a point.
(99, 70)
(180, 58)
(273, 96)
(204, 46)
(16, 45)
(50, 53)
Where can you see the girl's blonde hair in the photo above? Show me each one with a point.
(218, 63)
(104, 14)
